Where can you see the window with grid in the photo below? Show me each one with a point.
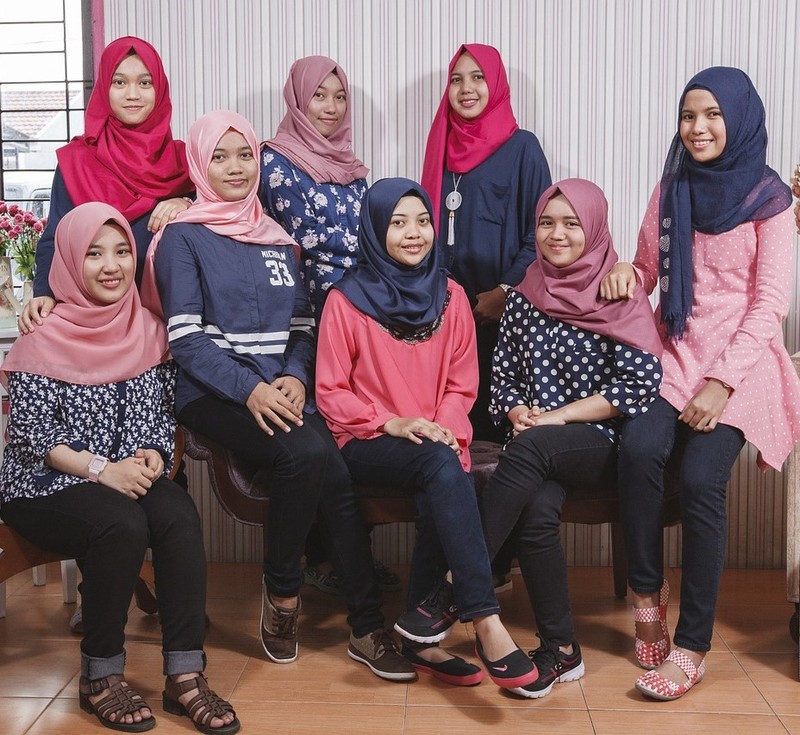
(45, 80)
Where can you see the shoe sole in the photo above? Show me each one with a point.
(388, 675)
(470, 680)
(424, 638)
(264, 645)
(572, 675)
(666, 697)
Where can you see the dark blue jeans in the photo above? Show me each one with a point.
(308, 477)
(448, 525)
(704, 468)
(111, 533)
(537, 471)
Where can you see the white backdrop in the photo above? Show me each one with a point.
(598, 81)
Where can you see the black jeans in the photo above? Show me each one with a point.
(111, 533)
(706, 459)
(308, 476)
(537, 471)
(448, 523)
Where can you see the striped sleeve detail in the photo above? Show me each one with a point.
(302, 324)
(182, 324)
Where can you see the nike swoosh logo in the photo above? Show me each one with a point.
(500, 668)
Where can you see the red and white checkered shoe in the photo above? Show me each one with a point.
(657, 686)
(649, 655)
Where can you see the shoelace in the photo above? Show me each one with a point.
(284, 626)
(440, 599)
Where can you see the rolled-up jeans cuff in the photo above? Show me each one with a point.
(98, 668)
(183, 662)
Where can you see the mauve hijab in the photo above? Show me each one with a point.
(571, 293)
(323, 159)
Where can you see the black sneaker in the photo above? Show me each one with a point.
(432, 619)
(554, 667)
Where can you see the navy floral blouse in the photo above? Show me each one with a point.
(542, 361)
(113, 420)
(322, 218)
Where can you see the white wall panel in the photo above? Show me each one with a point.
(597, 80)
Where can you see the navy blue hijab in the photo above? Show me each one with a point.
(400, 297)
(717, 196)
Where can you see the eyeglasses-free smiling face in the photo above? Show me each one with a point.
(702, 127)
(410, 234)
(233, 170)
(468, 91)
(559, 234)
(327, 107)
(132, 95)
(108, 266)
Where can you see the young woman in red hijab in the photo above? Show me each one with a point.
(126, 157)
(484, 175)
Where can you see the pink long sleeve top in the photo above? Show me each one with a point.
(365, 376)
(742, 287)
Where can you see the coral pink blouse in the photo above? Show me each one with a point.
(366, 377)
(742, 287)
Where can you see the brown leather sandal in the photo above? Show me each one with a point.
(202, 708)
(121, 700)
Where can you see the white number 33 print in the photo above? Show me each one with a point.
(279, 273)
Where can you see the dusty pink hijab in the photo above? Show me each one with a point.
(82, 341)
(571, 293)
(323, 159)
(243, 220)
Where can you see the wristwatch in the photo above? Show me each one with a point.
(96, 466)
(505, 287)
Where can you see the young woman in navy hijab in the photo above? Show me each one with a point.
(716, 240)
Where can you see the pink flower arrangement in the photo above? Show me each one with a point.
(20, 231)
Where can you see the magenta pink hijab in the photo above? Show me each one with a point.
(571, 293)
(462, 144)
(82, 341)
(243, 220)
(323, 159)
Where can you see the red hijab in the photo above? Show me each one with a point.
(461, 144)
(571, 293)
(82, 341)
(323, 159)
(129, 167)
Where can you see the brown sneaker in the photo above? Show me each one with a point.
(378, 651)
(278, 630)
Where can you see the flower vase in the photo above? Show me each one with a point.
(27, 291)
(8, 302)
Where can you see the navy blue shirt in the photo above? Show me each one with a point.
(60, 204)
(237, 314)
(495, 225)
(542, 361)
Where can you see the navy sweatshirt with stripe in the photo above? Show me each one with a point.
(237, 314)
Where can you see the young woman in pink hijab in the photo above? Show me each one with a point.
(84, 474)
(569, 368)
(312, 184)
(484, 175)
(241, 330)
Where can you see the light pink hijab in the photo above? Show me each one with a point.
(571, 293)
(243, 220)
(82, 341)
(323, 159)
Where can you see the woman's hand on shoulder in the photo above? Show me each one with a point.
(267, 401)
(407, 427)
(166, 211)
(34, 313)
(293, 389)
(702, 412)
(619, 283)
(489, 306)
(130, 476)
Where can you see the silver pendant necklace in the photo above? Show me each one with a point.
(452, 202)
